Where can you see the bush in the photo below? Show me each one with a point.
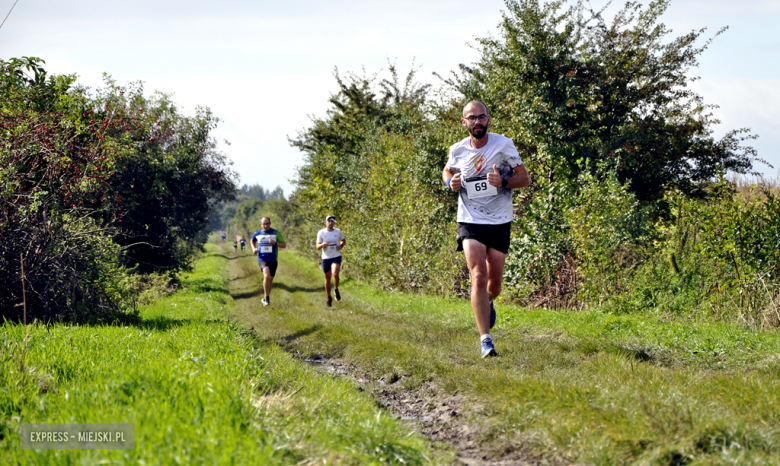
(55, 165)
(90, 183)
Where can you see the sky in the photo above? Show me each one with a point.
(266, 68)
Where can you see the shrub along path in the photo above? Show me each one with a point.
(586, 387)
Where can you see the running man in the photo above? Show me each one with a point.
(483, 169)
(242, 241)
(331, 241)
(235, 246)
(266, 244)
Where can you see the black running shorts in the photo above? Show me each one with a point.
(492, 236)
(326, 263)
(272, 265)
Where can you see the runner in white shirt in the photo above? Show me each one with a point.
(330, 241)
(484, 168)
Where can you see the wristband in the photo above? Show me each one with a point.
(448, 183)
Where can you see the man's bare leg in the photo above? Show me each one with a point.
(495, 272)
(327, 283)
(335, 268)
(268, 281)
(476, 260)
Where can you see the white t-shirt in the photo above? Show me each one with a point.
(332, 238)
(488, 210)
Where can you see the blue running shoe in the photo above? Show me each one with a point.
(492, 315)
(487, 348)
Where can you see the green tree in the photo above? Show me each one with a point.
(375, 162)
(171, 177)
(93, 181)
(566, 84)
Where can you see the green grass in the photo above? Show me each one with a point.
(204, 380)
(199, 389)
(588, 387)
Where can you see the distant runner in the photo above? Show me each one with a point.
(242, 241)
(223, 235)
(266, 244)
(330, 241)
(483, 169)
(235, 246)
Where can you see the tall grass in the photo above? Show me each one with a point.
(197, 388)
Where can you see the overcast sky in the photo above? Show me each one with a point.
(265, 67)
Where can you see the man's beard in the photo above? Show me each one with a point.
(478, 132)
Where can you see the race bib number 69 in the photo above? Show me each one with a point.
(477, 186)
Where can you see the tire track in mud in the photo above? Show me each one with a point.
(442, 418)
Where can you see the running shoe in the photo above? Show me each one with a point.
(487, 348)
(266, 301)
(330, 301)
(492, 315)
(338, 295)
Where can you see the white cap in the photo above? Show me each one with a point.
(330, 217)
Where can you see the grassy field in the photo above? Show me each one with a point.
(199, 389)
(205, 379)
(583, 387)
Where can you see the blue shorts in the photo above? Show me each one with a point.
(326, 263)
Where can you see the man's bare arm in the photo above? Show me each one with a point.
(455, 182)
(521, 178)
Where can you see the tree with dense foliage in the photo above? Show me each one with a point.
(373, 162)
(91, 182)
(171, 178)
(594, 102)
(570, 86)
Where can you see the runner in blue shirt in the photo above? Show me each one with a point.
(266, 244)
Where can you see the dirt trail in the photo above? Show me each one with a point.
(442, 418)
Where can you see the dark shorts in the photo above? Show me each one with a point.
(326, 263)
(492, 236)
(272, 265)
